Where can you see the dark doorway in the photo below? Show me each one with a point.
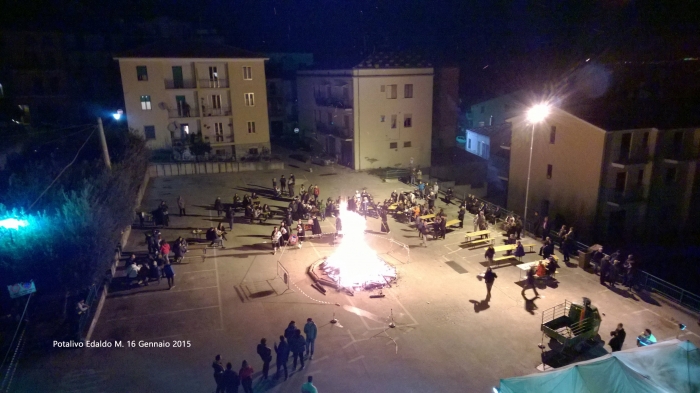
(178, 82)
(625, 146)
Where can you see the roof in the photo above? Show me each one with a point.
(394, 60)
(195, 49)
(491, 130)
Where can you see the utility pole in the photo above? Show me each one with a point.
(103, 142)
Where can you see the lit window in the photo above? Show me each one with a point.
(408, 91)
(149, 132)
(393, 145)
(407, 121)
(249, 99)
(407, 144)
(391, 92)
(247, 73)
(142, 73)
(251, 127)
(146, 103)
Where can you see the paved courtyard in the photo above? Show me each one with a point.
(446, 339)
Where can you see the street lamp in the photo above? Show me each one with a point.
(118, 114)
(535, 115)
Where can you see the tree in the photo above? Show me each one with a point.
(200, 148)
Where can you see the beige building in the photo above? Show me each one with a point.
(377, 114)
(177, 93)
(618, 184)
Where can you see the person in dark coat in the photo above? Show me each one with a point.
(316, 230)
(218, 374)
(283, 184)
(618, 338)
(219, 206)
(604, 269)
(490, 252)
(531, 281)
(460, 216)
(443, 227)
(230, 379)
(181, 205)
(297, 345)
(489, 278)
(385, 222)
(266, 356)
(519, 251)
(229, 217)
(282, 351)
(246, 376)
(289, 331)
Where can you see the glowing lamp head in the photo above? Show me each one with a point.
(13, 223)
(538, 113)
(118, 114)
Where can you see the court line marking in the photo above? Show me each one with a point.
(356, 359)
(161, 313)
(218, 285)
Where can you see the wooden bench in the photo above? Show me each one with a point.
(452, 223)
(485, 232)
(427, 217)
(511, 247)
(393, 207)
(477, 241)
(503, 258)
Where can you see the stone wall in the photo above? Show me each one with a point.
(196, 168)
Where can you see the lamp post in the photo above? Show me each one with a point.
(535, 115)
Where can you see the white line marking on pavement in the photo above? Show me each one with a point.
(162, 313)
(218, 288)
(356, 359)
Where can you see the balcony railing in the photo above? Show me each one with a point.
(213, 84)
(633, 159)
(334, 130)
(179, 84)
(183, 112)
(333, 102)
(630, 195)
(223, 111)
(679, 154)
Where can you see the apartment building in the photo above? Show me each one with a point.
(376, 114)
(197, 90)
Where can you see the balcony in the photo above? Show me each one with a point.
(333, 102)
(340, 132)
(171, 84)
(182, 113)
(223, 111)
(633, 159)
(628, 196)
(679, 155)
(213, 84)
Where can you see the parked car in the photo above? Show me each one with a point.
(323, 160)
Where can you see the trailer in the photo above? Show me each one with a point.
(571, 324)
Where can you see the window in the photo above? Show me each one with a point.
(408, 91)
(251, 127)
(625, 146)
(640, 177)
(249, 99)
(220, 152)
(393, 121)
(382, 118)
(146, 103)
(552, 134)
(469, 143)
(670, 175)
(391, 92)
(149, 132)
(393, 145)
(645, 140)
(248, 73)
(142, 73)
(219, 130)
(382, 88)
(407, 144)
(407, 121)
(549, 171)
(620, 181)
(216, 101)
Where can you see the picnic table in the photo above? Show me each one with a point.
(511, 247)
(524, 267)
(393, 207)
(481, 234)
(427, 217)
(452, 223)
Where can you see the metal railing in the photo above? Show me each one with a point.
(333, 102)
(213, 84)
(223, 111)
(182, 112)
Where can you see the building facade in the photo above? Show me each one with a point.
(175, 94)
(377, 114)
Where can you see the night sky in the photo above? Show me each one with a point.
(498, 40)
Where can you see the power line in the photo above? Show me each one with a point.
(63, 170)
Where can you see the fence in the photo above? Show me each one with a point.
(646, 280)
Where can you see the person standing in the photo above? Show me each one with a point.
(309, 387)
(443, 228)
(275, 239)
(605, 267)
(311, 331)
(562, 235)
(283, 184)
(531, 281)
(490, 252)
(385, 221)
(181, 205)
(618, 338)
(536, 225)
(282, 351)
(230, 379)
(546, 228)
(489, 278)
(229, 217)
(519, 251)
(289, 332)
(297, 344)
(169, 274)
(274, 183)
(218, 206)
(246, 376)
(266, 356)
(419, 176)
(316, 228)
(218, 374)
(460, 216)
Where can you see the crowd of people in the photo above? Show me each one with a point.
(156, 264)
(291, 343)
